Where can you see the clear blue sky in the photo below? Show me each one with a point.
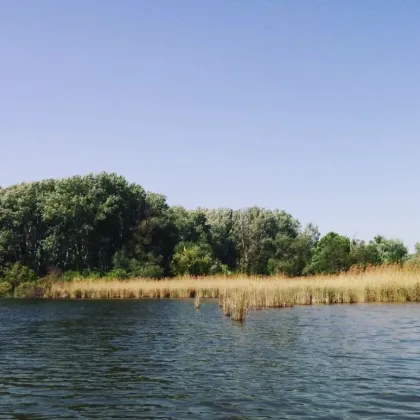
(308, 106)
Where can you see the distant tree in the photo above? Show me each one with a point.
(192, 259)
(257, 234)
(414, 259)
(293, 255)
(191, 226)
(363, 254)
(149, 251)
(89, 218)
(97, 225)
(17, 274)
(331, 255)
(390, 250)
(222, 240)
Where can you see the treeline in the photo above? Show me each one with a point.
(102, 225)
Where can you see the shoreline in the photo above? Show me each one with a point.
(239, 295)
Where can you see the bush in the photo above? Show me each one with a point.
(71, 275)
(219, 268)
(77, 275)
(5, 289)
(148, 270)
(30, 290)
(192, 259)
(92, 275)
(413, 262)
(117, 273)
(17, 274)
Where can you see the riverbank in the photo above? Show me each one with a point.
(377, 285)
(238, 295)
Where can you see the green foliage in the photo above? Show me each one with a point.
(413, 261)
(363, 254)
(76, 275)
(390, 250)
(76, 223)
(33, 289)
(102, 226)
(92, 275)
(257, 233)
(192, 259)
(71, 275)
(28, 290)
(117, 273)
(17, 274)
(5, 289)
(218, 268)
(221, 236)
(331, 255)
(293, 254)
(147, 270)
(149, 251)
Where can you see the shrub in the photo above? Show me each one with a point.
(412, 262)
(92, 275)
(29, 290)
(219, 268)
(148, 270)
(117, 273)
(5, 289)
(17, 274)
(71, 275)
(192, 259)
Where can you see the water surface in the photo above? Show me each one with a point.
(165, 360)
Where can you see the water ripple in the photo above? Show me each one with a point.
(165, 360)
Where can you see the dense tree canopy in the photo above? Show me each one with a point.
(102, 224)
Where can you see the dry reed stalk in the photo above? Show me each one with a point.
(197, 301)
(238, 295)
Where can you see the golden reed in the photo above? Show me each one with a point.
(240, 294)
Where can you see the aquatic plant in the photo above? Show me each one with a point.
(197, 301)
(239, 295)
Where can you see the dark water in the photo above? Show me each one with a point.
(165, 360)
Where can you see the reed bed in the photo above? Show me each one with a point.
(391, 284)
(179, 288)
(238, 295)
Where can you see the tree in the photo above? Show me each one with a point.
(331, 255)
(390, 251)
(89, 219)
(414, 259)
(76, 223)
(256, 232)
(148, 253)
(192, 259)
(17, 274)
(293, 255)
(222, 241)
(98, 224)
(22, 227)
(191, 226)
(363, 254)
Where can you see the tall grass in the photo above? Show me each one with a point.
(197, 301)
(238, 295)
(179, 288)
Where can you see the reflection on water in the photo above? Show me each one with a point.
(165, 360)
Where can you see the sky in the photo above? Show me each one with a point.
(312, 107)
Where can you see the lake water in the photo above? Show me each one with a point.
(166, 360)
